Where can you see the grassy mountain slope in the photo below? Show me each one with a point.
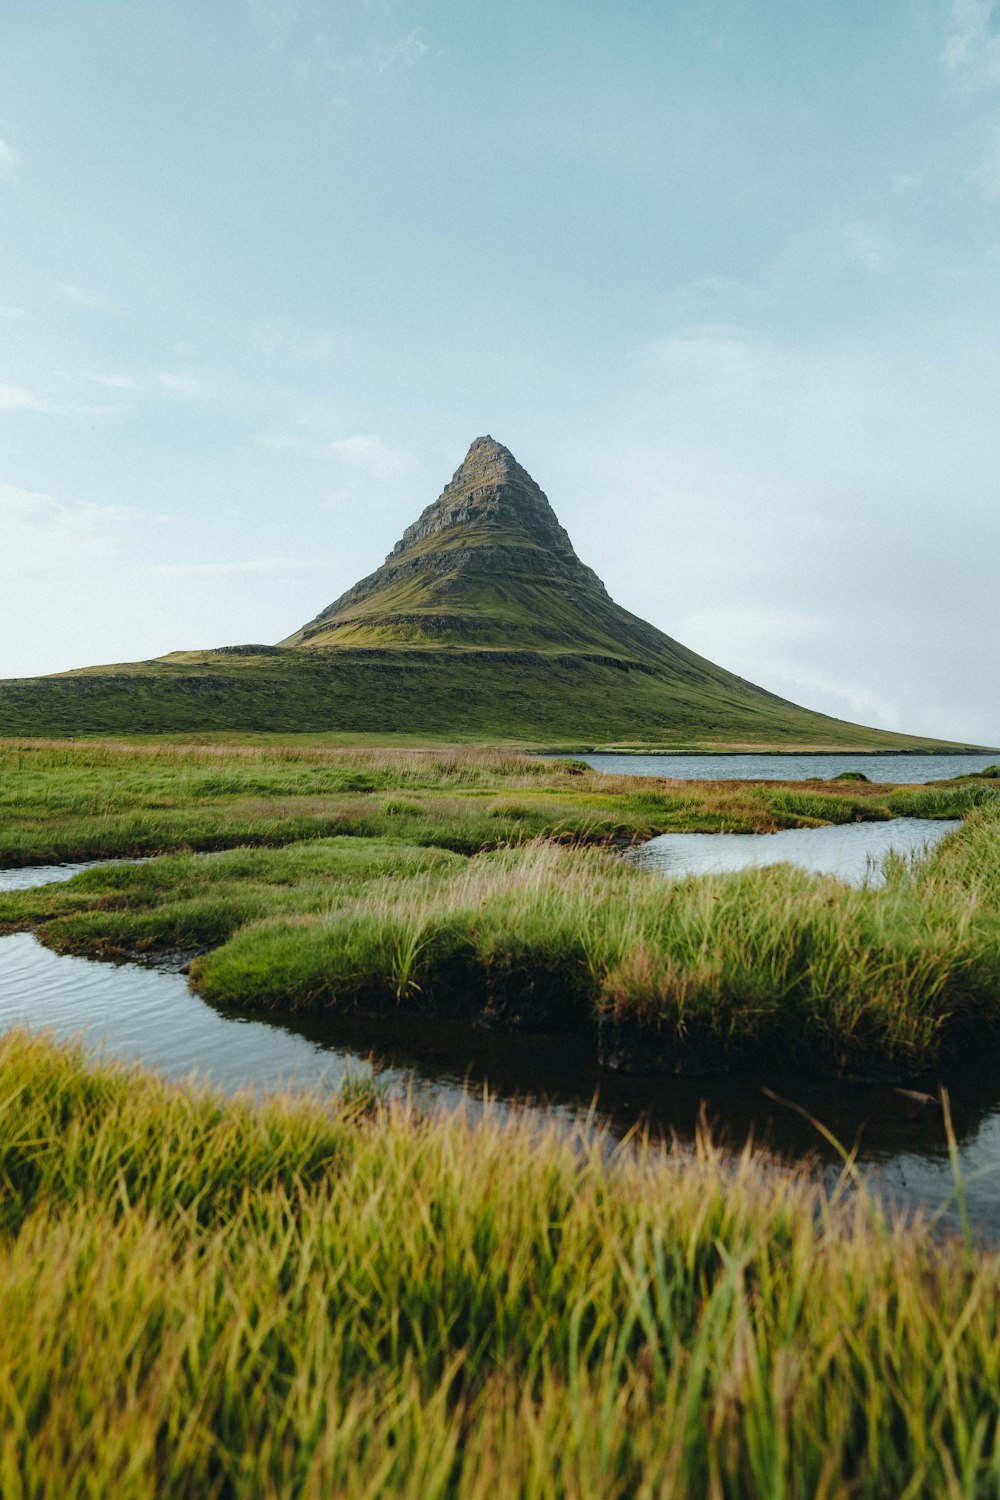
(481, 624)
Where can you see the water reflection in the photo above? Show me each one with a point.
(852, 851)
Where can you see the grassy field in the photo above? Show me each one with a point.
(457, 883)
(227, 1299)
(64, 800)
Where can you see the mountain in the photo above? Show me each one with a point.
(482, 623)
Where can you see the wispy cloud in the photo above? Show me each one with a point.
(277, 338)
(116, 382)
(370, 455)
(366, 455)
(275, 22)
(369, 41)
(188, 387)
(972, 46)
(38, 526)
(869, 249)
(81, 295)
(260, 567)
(16, 398)
(725, 356)
(9, 160)
(985, 176)
(13, 314)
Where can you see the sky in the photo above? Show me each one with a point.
(724, 275)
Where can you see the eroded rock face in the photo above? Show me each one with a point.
(490, 491)
(491, 521)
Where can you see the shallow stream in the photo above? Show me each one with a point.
(150, 1016)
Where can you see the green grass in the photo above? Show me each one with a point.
(185, 902)
(695, 975)
(76, 801)
(458, 881)
(448, 693)
(242, 1300)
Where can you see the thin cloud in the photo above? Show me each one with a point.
(367, 455)
(366, 46)
(9, 160)
(273, 339)
(869, 249)
(188, 387)
(972, 47)
(81, 295)
(32, 515)
(13, 314)
(259, 567)
(16, 398)
(116, 382)
(985, 177)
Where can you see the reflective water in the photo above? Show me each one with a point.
(851, 851)
(882, 768)
(150, 1016)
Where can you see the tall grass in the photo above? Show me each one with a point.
(229, 1300)
(696, 975)
(692, 975)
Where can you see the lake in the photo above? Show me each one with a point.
(898, 769)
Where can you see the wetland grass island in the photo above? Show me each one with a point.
(245, 1297)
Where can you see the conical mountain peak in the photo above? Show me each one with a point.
(488, 562)
(481, 622)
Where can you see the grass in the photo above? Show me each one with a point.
(697, 975)
(449, 692)
(73, 801)
(228, 1299)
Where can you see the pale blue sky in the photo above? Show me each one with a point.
(725, 276)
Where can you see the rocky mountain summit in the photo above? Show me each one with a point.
(492, 522)
(490, 491)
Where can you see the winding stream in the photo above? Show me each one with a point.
(150, 1016)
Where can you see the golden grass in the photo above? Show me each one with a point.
(225, 1299)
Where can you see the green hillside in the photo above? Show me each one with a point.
(482, 624)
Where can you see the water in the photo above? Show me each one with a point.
(851, 851)
(31, 875)
(150, 1016)
(897, 769)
